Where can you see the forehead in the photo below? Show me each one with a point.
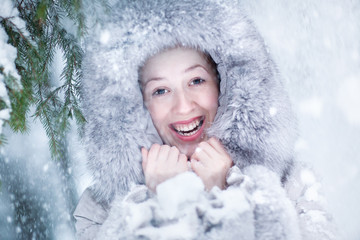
(173, 61)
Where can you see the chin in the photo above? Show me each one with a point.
(188, 150)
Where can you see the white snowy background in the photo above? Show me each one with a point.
(316, 45)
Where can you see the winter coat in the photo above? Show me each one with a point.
(269, 194)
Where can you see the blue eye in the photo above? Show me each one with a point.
(160, 91)
(197, 81)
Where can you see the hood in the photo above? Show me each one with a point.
(254, 119)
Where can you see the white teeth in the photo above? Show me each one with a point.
(192, 126)
(186, 128)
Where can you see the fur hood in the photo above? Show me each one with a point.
(254, 119)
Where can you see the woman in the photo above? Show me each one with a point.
(191, 84)
(181, 90)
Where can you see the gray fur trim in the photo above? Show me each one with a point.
(254, 119)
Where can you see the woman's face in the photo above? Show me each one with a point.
(181, 93)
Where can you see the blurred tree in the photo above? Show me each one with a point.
(31, 32)
(51, 25)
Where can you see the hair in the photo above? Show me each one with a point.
(213, 66)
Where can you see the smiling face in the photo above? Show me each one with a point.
(180, 91)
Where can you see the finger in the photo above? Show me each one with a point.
(217, 145)
(204, 154)
(211, 147)
(201, 157)
(163, 153)
(173, 155)
(197, 167)
(144, 154)
(152, 155)
(183, 162)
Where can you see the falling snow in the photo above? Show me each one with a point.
(317, 51)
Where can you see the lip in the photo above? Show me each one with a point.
(186, 121)
(192, 137)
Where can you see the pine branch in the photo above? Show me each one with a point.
(57, 101)
(55, 105)
(50, 132)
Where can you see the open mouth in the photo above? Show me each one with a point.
(188, 129)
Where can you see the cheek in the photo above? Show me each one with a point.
(158, 114)
(211, 102)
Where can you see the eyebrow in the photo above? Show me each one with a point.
(152, 79)
(196, 66)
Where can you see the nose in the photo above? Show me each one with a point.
(184, 103)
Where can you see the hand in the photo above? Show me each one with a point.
(161, 163)
(211, 163)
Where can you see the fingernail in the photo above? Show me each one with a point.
(198, 149)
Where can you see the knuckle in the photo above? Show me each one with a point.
(182, 157)
(212, 139)
(166, 147)
(155, 145)
(203, 144)
(174, 149)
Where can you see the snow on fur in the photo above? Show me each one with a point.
(254, 121)
(182, 210)
(118, 124)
